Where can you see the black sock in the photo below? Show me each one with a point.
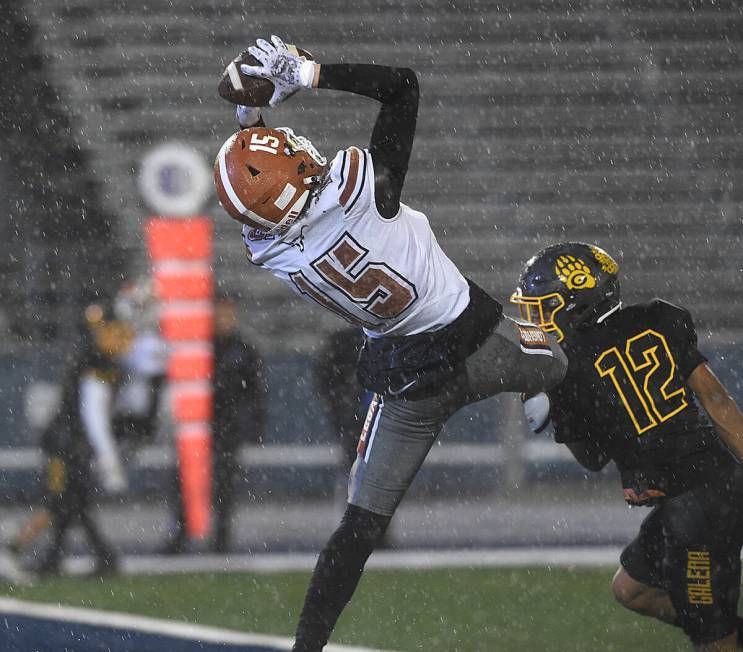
(337, 572)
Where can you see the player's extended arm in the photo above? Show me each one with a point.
(720, 406)
(249, 116)
(588, 454)
(394, 131)
(95, 413)
(396, 88)
(542, 416)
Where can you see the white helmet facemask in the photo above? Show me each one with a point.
(301, 142)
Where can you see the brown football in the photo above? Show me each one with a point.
(239, 88)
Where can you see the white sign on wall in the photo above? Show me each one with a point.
(174, 180)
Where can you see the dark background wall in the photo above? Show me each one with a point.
(616, 122)
(612, 122)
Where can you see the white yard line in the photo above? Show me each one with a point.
(550, 557)
(159, 456)
(115, 620)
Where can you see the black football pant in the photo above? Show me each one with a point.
(689, 546)
(69, 503)
(226, 468)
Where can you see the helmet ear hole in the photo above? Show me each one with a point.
(253, 171)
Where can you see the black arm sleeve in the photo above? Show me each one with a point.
(394, 131)
(569, 426)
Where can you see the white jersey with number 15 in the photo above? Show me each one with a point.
(388, 275)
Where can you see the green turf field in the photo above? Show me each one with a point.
(448, 610)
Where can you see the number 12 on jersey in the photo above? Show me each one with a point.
(645, 379)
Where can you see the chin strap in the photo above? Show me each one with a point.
(609, 312)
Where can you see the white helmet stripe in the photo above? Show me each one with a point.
(285, 197)
(293, 213)
(227, 184)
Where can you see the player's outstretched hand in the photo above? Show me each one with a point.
(287, 72)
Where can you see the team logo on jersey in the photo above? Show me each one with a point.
(574, 273)
(256, 235)
(533, 340)
(298, 242)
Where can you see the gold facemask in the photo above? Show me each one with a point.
(541, 311)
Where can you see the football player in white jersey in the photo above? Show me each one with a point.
(338, 234)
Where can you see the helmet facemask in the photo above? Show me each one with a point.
(541, 311)
(295, 143)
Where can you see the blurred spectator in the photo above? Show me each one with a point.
(342, 394)
(143, 365)
(238, 418)
(346, 401)
(79, 438)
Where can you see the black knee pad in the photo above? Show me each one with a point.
(359, 529)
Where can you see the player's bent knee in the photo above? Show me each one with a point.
(364, 526)
(714, 636)
(727, 644)
(624, 588)
(631, 594)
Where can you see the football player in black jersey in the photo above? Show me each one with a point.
(631, 395)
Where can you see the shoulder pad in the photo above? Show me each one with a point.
(351, 175)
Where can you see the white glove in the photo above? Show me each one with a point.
(287, 72)
(537, 412)
(247, 116)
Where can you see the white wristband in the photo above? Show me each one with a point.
(307, 73)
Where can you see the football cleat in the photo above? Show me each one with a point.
(264, 177)
(568, 286)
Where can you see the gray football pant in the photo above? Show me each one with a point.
(398, 433)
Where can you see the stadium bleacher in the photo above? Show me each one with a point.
(613, 123)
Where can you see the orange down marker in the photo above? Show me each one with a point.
(180, 250)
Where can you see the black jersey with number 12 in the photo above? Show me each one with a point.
(626, 392)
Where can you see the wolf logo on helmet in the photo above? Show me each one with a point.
(568, 286)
